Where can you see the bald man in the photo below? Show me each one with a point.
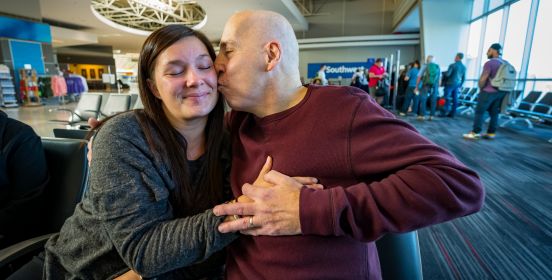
(380, 175)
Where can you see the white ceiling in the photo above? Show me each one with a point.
(411, 23)
(73, 23)
(78, 12)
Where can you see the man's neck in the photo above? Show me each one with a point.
(279, 99)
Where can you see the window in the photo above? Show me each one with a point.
(540, 59)
(492, 32)
(516, 32)
(473, 49)
(477, 8)
(495, 3)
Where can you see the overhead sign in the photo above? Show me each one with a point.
(14, 28)
(336, 70)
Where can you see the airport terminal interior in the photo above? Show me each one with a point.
(63, 61)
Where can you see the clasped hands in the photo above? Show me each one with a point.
(269, 206)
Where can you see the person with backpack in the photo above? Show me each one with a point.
(497, 79)
(429, 78)
(455, 77)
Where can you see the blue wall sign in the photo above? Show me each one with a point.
(25, 30)
(336, 69)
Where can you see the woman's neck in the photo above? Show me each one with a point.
(194, 133)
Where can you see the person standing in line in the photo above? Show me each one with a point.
(375, 73)
(380, 175)
(489, 98)
(356, 78)
(455, 77)
(410, 95)
(429, 77)
(321, 74)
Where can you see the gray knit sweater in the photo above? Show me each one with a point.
(125, 220)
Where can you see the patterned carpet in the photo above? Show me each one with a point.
(511, 238)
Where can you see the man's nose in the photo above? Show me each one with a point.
(219, 65)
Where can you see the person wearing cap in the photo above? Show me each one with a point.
(489, 98)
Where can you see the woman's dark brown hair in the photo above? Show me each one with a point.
(186, 200)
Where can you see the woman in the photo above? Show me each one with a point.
(148, 206)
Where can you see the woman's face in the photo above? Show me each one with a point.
(185, 80)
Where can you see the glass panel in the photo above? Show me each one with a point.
(492, 33)
(473, 48)
(516, 31)
(477, 9)
(495, 3)
(540, 60)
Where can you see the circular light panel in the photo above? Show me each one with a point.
(141, 17)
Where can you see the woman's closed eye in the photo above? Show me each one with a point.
(205, 66)
(175, 73)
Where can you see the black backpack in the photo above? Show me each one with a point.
(382, 87)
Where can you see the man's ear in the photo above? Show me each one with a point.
(153, 88)
(274, 54)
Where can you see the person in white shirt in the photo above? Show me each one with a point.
(322, 75)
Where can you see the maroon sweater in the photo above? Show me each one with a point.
(380, 175)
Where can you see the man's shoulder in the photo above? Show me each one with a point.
(13, 129)
(332, 95)
(494, 61)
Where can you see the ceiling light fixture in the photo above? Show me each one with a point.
(141, 17)
(156, 5)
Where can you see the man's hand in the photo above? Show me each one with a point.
(273, 211)
(93, 123)
(129, 275)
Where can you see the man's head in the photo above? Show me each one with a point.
(379, 62)
(429, 59)
(323, 67)
(258, 54)
(494, 51)
(459, 56)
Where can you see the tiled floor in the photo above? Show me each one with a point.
(39, 117)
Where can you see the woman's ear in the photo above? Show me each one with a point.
(274, 54)
(153, 88)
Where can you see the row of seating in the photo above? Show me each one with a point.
(535, 105)
(68, 169)
(467, 99)
(90, 106)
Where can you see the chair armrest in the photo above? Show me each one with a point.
(18, 250)
(72, 112)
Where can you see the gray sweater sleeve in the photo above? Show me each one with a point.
(129, 192)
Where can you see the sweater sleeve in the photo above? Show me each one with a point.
(405, 182)
(130, 195)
